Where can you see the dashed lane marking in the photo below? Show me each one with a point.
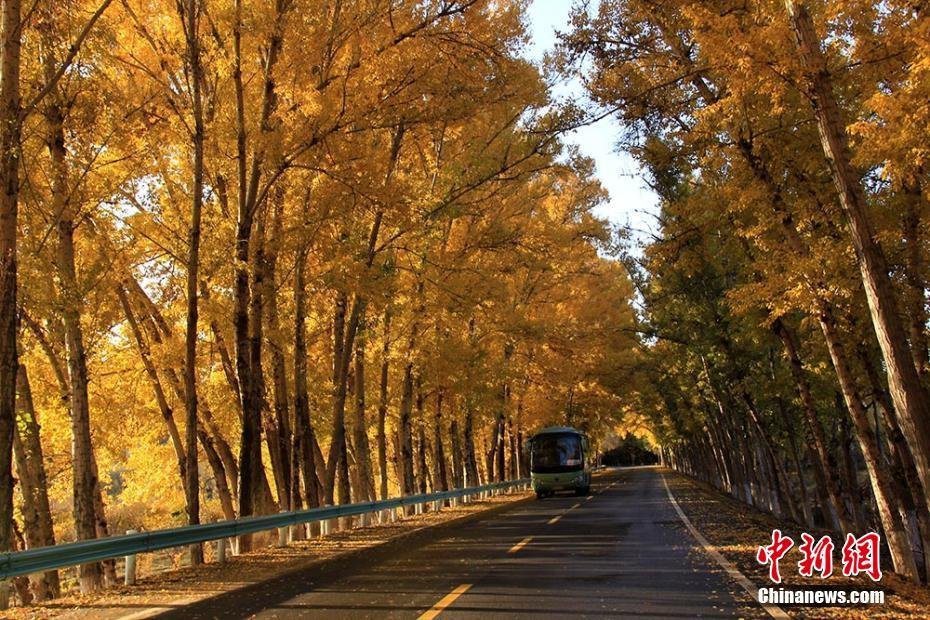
(731, 570)
(444, 602)
(520, 544)
(556, 518)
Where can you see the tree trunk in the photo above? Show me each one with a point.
(779, 476)
(10, 128)
(457, 457)
(383, 405)
(21, 583)
(901, 460)
(219, 473)
(439, 456)
(848, 468)
(30, 465)
(494, 445)
(263, 502)
(337, 461)
(513, 460)
(914, 274)
(71, 302)
(279, 445)
(102, 526)
(423, 485)
(882, 489)
(422, 470)
(362, 448)
(250, 440)
(191, 468)
(471, 462)
(304, 437)
(799, 469)
(910, 399)
(405, 433)
(820, 452)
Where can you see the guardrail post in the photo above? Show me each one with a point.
(221, 551)
(283, 534)
(130, 576)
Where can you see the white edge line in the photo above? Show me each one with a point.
(156, 610)
(725, 564)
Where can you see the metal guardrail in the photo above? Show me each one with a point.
(41, 559)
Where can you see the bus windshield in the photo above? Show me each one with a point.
(556, 452)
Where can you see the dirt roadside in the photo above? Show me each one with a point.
(737, 531)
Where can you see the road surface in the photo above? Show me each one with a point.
(621, 551)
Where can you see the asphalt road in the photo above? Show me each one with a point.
(619, 552)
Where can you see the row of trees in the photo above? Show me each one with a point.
(271, 254)
(785, 293)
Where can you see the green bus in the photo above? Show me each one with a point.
(560, 461)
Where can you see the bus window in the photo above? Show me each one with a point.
(557, 452)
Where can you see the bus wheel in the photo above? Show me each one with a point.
(583, 491)
(540, 495)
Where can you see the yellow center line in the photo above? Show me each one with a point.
(556, 518)
(444, 602)
(520, 544)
